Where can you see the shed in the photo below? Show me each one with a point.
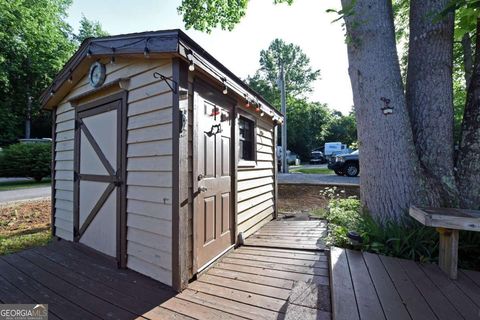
(163, 159)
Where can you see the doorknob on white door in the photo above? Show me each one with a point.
(202, 189)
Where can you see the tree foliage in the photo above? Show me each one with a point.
(376, 78)
(309, 124)
(32, 160)
(205, 15)
(35, 42)
(89, 29)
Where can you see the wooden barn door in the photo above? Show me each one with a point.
(99, 177)
(213, 211)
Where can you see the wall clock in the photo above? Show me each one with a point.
(97, 74)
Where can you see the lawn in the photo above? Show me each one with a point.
(312, 171)
(24, 225)
(13, 185)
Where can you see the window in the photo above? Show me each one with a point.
(246, 136)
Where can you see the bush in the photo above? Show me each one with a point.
(406, 239)
(26, 160)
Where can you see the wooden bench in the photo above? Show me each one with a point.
(447, 221)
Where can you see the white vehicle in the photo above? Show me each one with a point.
(334, 148)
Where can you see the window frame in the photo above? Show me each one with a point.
(250, 162)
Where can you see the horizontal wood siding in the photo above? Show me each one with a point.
(65, 125)
(255, 185)
(149, 173)
(149, 164)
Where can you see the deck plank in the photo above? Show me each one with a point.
(252, 278)
(197, 311)
(440, 305)
(233, 306)
(97, 289)
(344, 303)
(319, 271)
(462, 303)
(367, 300)
(280, 260)
(253, 299)
(390, 300)
(100, 273)
(469, 287)
(76, 296)
(273, 253)
(416, 305)
(58, 305)
(262, 289)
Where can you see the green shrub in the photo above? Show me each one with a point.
(26, 160)
(406, 239)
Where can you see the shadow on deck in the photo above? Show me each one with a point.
(281, 274)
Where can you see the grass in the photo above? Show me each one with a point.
(312, 170)
(18, 242)
(14, 185)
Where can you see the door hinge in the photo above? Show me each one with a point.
(75, 176)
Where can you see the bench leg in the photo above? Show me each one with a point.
(448, 251)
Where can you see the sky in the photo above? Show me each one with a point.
(305, 23)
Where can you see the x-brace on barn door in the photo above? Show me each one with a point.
(99, 176)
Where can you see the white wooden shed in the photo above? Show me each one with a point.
(162, 158)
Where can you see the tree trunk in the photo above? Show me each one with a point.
(429, 94)
(390, 175)
(468, 162)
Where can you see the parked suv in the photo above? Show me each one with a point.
(346, 164)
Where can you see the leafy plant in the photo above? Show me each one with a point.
(26, 160)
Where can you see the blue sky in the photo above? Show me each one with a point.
(305, 23)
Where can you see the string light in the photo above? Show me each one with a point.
(247, 105)
(257, 109)
(146, 52)
(225, 89)
(89, 53)
(189, 54)
(112, 60)
(52, 93)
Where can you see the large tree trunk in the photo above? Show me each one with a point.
(429, 94)
(390, 175)
(468, 162)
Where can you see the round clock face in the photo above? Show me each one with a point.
(97, 74)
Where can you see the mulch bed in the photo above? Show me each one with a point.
(24, 217)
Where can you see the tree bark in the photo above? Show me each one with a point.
(429, 96)
(468, 162)
(390, 174)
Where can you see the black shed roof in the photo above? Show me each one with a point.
(173, 41)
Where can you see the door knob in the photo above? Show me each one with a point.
(202, 189)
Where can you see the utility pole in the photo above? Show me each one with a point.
(284, 125)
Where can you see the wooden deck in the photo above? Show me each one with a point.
(303, 235)
(268, 281)
(369, 286)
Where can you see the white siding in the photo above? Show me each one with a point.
(149, 165)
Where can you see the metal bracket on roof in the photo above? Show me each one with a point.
(170, 83)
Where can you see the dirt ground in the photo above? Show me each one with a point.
(24, 217)
(30, 216)
(298, 198)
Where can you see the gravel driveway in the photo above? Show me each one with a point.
(317, 179)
